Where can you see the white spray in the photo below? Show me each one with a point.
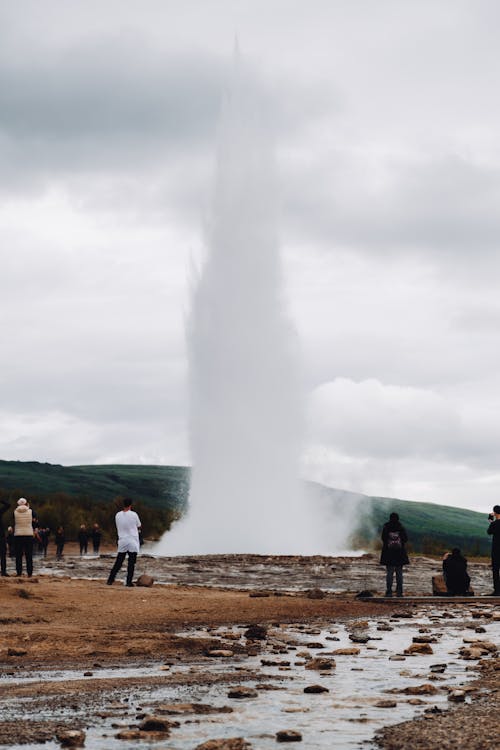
(246, 413)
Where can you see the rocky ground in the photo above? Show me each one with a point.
(58, 620)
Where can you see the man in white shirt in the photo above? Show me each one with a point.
(127, 525)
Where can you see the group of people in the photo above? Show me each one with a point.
(456, 577)
(26, 537)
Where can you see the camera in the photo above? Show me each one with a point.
(491, 517)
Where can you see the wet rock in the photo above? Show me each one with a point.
(288, 735)
(438, 668)
(419, 648)
(315, 594)
(424, 639)
(457, 696)
(70, 737)
(145, 580)
(274, 663)
(256, 633)
(359, 637)
(88, 674)
(397, 657)
(485, 646)
(138, 734)
(385, 704)
(426, 689)
(241, 692)
(470, 654)
(346, 651)
(316, 644)
(321, 664)
(220, 653)
(156, 724)
(183, 709)
(14, 651)
(316, 689)
(233, 743)
(383, 626)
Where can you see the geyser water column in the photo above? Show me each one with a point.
(246, 404)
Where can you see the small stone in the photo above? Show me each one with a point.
(242, 692)
(316, 689)
(346, 651)
(321, 664)
(386, 704)
(426, 689)
(256, 633)
(232, 743)
(457, 696)
(145, 581)
(222, 653)
(156, 724)
(288, 735)
(419, 648)
(70, 737)
(359, 637)
(315, 594)
(13, 651)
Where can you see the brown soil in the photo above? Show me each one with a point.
(65, 623)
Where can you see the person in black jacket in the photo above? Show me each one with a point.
(455, 573)
(83, 539)
(394, 538)
(494, 530)
(5, 505)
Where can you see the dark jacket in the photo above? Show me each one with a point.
(494, 530)
(455, 574)
(394, 538)
(5, 505)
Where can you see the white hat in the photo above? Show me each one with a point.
(22, 501)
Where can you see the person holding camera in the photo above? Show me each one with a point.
(494, 530)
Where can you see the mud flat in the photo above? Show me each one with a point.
(278, 659)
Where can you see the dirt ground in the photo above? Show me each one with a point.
(64, 622)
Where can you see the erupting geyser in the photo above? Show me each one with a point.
(246, 404)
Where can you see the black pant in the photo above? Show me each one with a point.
(59, 550)
(24, 546)
(132, 557)
(3, 554)
(83, 547)
(495, 567)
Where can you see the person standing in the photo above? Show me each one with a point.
(494, 530)
(83, 539)
(3, 544)
(59, 541)
(96, 538)
(394, 539)
(23, 536)
(127, 525)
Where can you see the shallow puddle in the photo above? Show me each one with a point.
(344, 717)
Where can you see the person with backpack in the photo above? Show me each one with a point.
(394, 538)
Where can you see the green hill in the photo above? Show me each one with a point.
(77, 494)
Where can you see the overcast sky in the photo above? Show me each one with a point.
(386, 117)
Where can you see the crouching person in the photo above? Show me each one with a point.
(455, 573)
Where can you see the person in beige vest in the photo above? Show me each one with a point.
(23, 536)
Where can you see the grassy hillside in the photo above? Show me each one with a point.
(79, 494)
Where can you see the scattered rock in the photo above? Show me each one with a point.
(242, 692)
(181, 709)
(156, 724)
(457, 696)
(233, 743)
(256, 633)
(145, 580)
(222, 653)
(70, 737)
(346, 651)
(386, 704)
(426, 689)
(315, 594)
(321, 664)
(316, 689)
(419, 648)
(288, 735)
